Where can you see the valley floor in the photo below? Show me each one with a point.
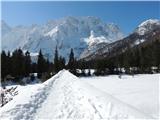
(64, 96)
(141, 91)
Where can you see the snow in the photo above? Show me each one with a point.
(65, 33)
(34, 54)
(86, 71)
(150, 21)
(25, 103)
(147, 25)
(140, 91)
(52, 32)
(64, 96)
(94, 40)
(138, 41)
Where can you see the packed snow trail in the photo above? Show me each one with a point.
(64, 96)
(71, 98)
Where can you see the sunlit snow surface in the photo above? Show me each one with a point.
(65, 96)
(147, 25)
(140, 91)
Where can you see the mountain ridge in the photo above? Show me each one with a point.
(146, 32)
(88, 36)
(66, 33)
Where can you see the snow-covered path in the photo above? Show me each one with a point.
(73, 99)
(64, 96)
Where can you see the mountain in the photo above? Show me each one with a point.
(4, 28)
(147, 32)
(80, 33)
(147, 26)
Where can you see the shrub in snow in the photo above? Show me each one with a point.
(7, 95)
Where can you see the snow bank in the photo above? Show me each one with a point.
(64, 96)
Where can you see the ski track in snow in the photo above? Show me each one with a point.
(64, 96)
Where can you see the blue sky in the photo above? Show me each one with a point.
(125, 14)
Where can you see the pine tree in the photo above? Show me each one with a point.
(47, 65)
(156, 53)
(56, 61)
(34, 68)
(18, 66)
(89, 72)
(71, 63)
(41, 64)
(61, 63)
(100, 67)
(9, 64)
(27, 64)
(3, 65)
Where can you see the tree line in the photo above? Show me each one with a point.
(19, 65)
(140, 59)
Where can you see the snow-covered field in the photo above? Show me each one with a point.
(140, 91)
(64, 96)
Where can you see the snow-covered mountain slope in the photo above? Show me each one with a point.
(79, 33)
(147, 26)
(146, 32)
(4, 28)
(64, 96)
